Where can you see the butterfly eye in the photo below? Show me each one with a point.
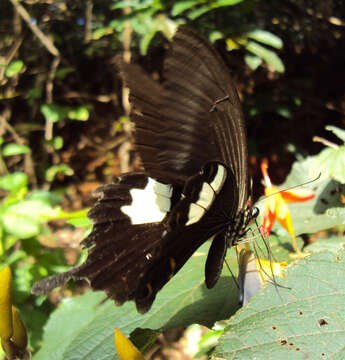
(255, 212)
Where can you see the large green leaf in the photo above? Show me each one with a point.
(82, 327)
(22, 219)
(302, 319)
(184, 300)
(21, 226)
(332, 244)
(332, 162)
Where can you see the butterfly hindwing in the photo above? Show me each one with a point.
(188, 229)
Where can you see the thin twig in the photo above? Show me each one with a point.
(28, 163)
(48, 134)
(48, 44)
(325, 142)
(126, 146)
(10, 56)
(88, 21)
(5, 125)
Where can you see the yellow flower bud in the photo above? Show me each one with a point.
(6, 329)
(19, 337)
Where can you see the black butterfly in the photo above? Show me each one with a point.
(190, 135)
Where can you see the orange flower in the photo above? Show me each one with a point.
(276, 208)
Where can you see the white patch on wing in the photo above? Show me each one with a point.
(149, 204)
(206, 196)
(218, 181)
(195, 213)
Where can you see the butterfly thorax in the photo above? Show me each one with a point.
(238, 227)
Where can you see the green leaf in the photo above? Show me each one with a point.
(14, 68)
(80, 113)
(135, 4)
(21, 226)
(268, 55)
(53, 112)
(211, 6)
(181, 6)
(55, 169)
(100, 32)
(283, 111)
(194, 14)
(62, 73)
(303, 318)
(215, 35)
(252, 61)
(184, 300)
(58, 142)
(80, 222)
(33, 93)
(340, 133)
(14, 182)
(143, 339)
(221, 3)
(332, 162)
(208, 341)
(46, 197)
(266, 37)
(35, 208)
(15, 149)
(332, 244)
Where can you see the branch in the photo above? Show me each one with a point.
(10, 56)
(325, 142)
(88, 21)
(126, 146)
(48, 44)
(49, 95)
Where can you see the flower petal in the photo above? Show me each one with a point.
(268, 269)
(297, 195)
(264, 166)
(284, 217)
(268, 219)
(125, 348)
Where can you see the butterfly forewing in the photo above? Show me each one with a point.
(198, 84)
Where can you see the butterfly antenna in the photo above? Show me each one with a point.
(293, 187)
(232, 274)
(271, 279)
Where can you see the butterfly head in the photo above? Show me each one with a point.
(239, 228)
